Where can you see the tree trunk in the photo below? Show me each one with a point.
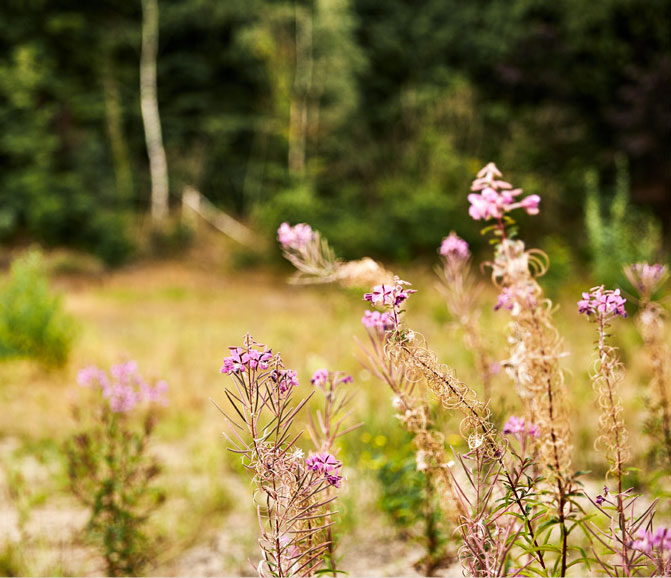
(114, 117)
(298, 111)
(158, 165)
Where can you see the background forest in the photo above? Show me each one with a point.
(367, 119)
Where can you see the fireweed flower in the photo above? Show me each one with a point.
(647, 540)
(454, 248)
(296, 237)
(494, 198)
(285, 379)
(517, 426)
(646, 278)
(378, 321)
(603, 303)
(390, 295)
(123, 387)
(320, 378)
(250, 358)
(324, 463)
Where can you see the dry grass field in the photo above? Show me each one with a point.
(177, 318)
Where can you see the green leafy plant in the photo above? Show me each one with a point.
(32, 321)
(625, 235)
(109, 469)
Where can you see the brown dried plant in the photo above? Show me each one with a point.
(462, 292)
(652, 323)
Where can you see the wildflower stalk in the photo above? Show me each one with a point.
(295, 513)
(461, 295)
(536, 346)
(651, 321)
(324, 428)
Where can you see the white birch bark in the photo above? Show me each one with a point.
(158, 165)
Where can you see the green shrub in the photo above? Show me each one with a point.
(624, 235)
(32, 321)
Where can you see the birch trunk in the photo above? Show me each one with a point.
(158, 165)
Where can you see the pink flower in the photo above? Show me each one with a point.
(296, 237)
(505, 300)
(327, 465)
(454, 248)
(497, 197)
(604, 303)
(530, 204)
(320, 378)
(285, 379)
(123, 388)
(376, 320)
(516, 426)
(241, 359)
(390, 295)
(646, 278)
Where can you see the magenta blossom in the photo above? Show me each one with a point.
(123, 388)
(494, 198)
(285, 379)
(389, 295)
(646, 278)
(378, 321)
(320, 378)
(326, 464)
(454, 248)
(517, 426)
(241, 359)
(296, 237)
(647, 540)
(603, 303)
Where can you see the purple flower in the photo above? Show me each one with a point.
(600, 500)
(326, 464)
(454, 248)
(497, 197)
(505, 299)
(379, 321)
(604, 303)
(390, 295)
(241, 359)
(286, 379)
(646, 278)
(320, 378)
(517, 426)
(296, 237)
(123, 388)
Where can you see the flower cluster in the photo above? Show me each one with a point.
(603, 303)
(517, 426)
(646, 278)
(296, 237)
(390, 295)
(324, 463)
(497, 197)
(511, 297)
(321, 378)
(242, 359)
(378, 321)
(285, 379)
(123, 388)
(454, 248)
(647, 540)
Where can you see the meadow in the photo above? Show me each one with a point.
(177, 318)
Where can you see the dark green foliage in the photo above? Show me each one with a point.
(411, 500)
(111, 473)
(402, 103)
(32, 321)
(621, 234)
